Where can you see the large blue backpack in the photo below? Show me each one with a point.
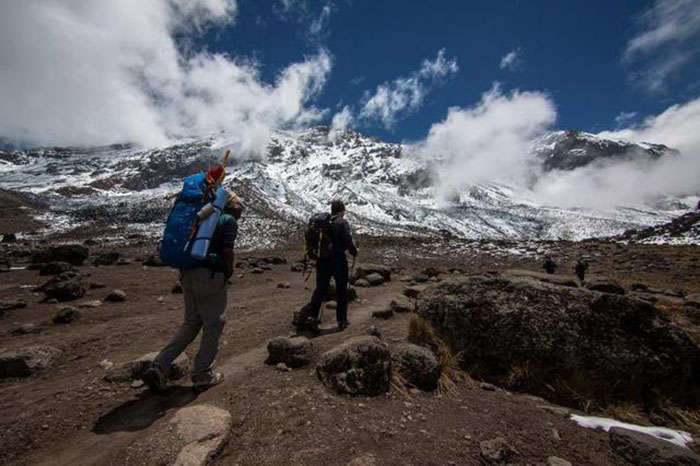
(175, 247)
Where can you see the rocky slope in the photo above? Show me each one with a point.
(390, 190)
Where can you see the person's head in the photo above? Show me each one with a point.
(234, 205)
(337, 208)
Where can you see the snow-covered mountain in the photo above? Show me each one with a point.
(388, 189)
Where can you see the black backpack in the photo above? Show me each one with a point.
(317, 237)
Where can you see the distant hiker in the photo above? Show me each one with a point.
(204, 292)
(331, 261)
(580, 268)
(549, 265)
(697, 207)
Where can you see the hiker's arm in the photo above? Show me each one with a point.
(228, 261)
(348, 240)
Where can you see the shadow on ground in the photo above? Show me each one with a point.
(143, 412)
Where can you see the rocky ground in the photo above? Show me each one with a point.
(79, 405)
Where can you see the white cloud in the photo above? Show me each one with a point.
(635, 182)
(489, 141)
(342, 120)
(511, 60)
(319, 25)
(101, 72)
(406, 94)
(624, 118)
(668, 38)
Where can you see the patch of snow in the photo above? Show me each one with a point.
(678, 437)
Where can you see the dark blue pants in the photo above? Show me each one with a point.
(336, 267)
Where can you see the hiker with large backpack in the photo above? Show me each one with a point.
(199, 239)
(327, 239)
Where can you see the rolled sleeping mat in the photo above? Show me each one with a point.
(202, 240)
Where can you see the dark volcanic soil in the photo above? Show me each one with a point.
(69, 415)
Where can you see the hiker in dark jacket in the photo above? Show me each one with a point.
(549, 265)
(580, 268)
(204, 292)
(335, 265)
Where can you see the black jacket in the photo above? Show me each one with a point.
(342, 239)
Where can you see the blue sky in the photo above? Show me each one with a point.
(572, 50)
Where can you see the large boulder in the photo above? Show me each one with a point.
(11, 305)
(624, 348)
(133, 370)
(606, 286)
(645, 450)
(64, 287)
(106, 258)
(401, 303)
(417, 365)
(66, 315)
(294, 352)
(54, 268)
(363, 270)
(360, 366)
(27, 361)
(375, 279)
(74, 254)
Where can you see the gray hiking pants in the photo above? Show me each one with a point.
(205, 308)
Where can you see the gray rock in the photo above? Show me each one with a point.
(54, 268)
(606, 286)
(622, 345)
(283, 285)
(116, 296)
(413, 291)
(66, 315)
(294, 352)
(402, 304)
(497, 451)
(90, 304)
(153, 261)
(106, 258)
(25, 329)
(373, 331)
(384, 314)
(362, 270)
(12, 304)
(374, 279)
(96, 286)
(331, 305)
(362, 283)
(364, 460)
(132, 370)
(488, 387)
(67, 286)
(360, 366)
(74, 254)
(420, 278)
(645, 450)
(257, 271)
(27, 361)
(297, 267)
(417, 365)
(556, 461)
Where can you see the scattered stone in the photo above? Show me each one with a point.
(66, 315)
(692, 300)
(123, 261)
(137, 384)
(359, 366)
(557, 410)
(177, 288)
(257, 271)
(54, 268)
(413, 291)
(106, 258)
(153, 261)
(637, 286)
(90, 242)
(417, 365)
(240, 264)
(27, 361)
(132, 370)
(25, 329)
(362, 283)
(160, 299)
(420, 278)
(284, 285)
(200, 432)
(331, 305)
(644, 449)
(363, 270)
(375, 279)
(488, 387)
(64, 287)
(283, 367)
(402, 304)
(497, 451)
(51, 301)
(116, 296)
(11, 305)
(293, 352)
(297, 267)
(556, 461)
(384, 314)
(606, 286)
(91, 304)
(74, 254)
(365, 460)
(275, 260)
(374, 332)
(96, 286)
(622, 345)
(106, 364)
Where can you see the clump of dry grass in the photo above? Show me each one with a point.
(628, 412)
(421, 332)
(398, 383)
(450, 369)
(522, 376)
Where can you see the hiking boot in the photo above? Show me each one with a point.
(155, 379)
(216, 379)
(343, 325)
(312, 325)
